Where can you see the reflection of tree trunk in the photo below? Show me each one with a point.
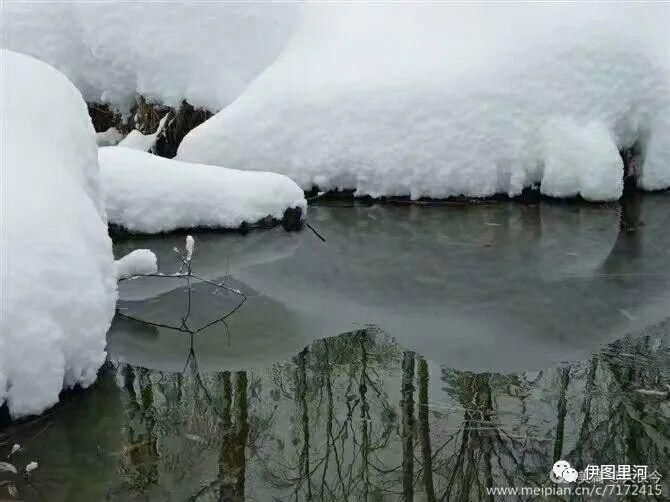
(584, 431)
(472, 465)
(330, 414)
(562, 411)
(227, 391)
(365, 416)
(628, 243)
(241, 427)
(407, 407)
(232, 459)
(140, 452)
(301, 399)
(149, 418)
(424, 430)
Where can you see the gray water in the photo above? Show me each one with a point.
(420, 352)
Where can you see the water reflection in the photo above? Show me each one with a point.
(353, 417)
(426, 396)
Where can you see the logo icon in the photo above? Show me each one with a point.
(562, 472)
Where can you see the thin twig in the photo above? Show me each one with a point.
(315, 232)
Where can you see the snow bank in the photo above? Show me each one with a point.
(150, 194)
(205, 53)
(446, 99)
(58, 282)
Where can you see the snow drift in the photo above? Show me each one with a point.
(205, 53)
(441, 100)
(150, 194)
(58, 276)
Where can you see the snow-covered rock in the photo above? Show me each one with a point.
(110, 137)
(57, 275)
(143, 142)
(447, 99)
(137, 262)
(149, 194)
(205, 53)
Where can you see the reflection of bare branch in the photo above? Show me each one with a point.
(186, 261)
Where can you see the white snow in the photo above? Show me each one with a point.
(190, 247)
(110, 137)
(150, 194)
(137, 262)
(203, 52)
(447, 99)
(57, 273)
(588, 154)
(143, 142)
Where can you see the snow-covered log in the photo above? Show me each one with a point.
(57, 275)
(149, 194)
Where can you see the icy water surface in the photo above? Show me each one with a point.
(419, 353)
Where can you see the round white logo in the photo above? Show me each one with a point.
(570, 475)
(562, 472)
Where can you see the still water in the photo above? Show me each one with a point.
(421, 353)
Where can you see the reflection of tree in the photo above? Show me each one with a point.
(139, 454)
(232, 459)
(620, 424)
(564, 377)
(335, 386)
(355, 418)
(407, 407)
(424, 431)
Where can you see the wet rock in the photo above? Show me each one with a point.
(293, 219)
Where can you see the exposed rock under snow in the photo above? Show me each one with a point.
(442, 100)
(149, 194)
(57, 274)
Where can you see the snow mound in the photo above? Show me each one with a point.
(110, 137)
(138, 262)
(580, 160)
(442, 100)
(204, 53)
(149, 194)
(57, 274)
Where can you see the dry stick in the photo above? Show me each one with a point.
(150, 323)
(315, 232)
(188, 275)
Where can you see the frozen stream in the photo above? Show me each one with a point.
(504, 287)
(420, 353)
